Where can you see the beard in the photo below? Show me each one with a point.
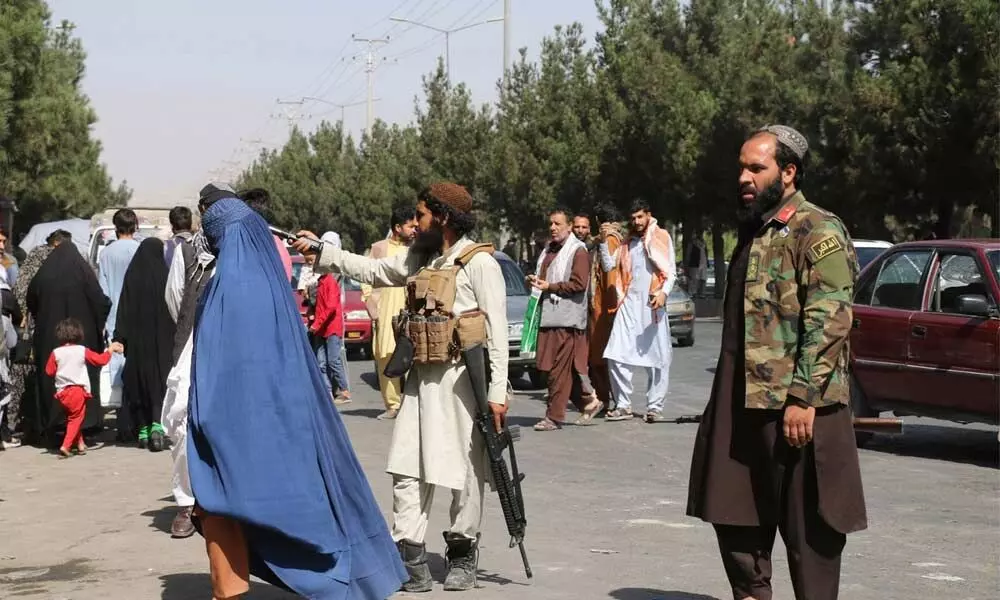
(428, 242)
(765, 200)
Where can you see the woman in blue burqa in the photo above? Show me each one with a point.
(280, 493)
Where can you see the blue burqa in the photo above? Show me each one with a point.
(266, 447)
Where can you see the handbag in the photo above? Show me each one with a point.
(22, 352)
(402, 357)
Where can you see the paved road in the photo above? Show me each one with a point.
(605, 503)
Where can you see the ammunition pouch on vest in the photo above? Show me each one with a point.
(436, 333)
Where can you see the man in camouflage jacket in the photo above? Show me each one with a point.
(775, 448)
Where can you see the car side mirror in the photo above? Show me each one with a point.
(974, 305)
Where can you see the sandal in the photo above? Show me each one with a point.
(619, 415)
(546, 424)
(589, 412)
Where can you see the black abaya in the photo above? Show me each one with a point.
(64, 287)
(146, 329)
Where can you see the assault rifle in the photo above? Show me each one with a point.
(507, 483)
(888, 426)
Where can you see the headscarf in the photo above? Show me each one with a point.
(660, 251)
(332, 238)
(29, 269)
(266, 447)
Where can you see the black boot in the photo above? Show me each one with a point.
(463, 560)
(414, 557)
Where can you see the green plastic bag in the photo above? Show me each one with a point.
(532, 319)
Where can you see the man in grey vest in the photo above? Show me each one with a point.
(563, 275)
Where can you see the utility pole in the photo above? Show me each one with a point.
(371, 63)
(506, 38)
(447, 36)
(290, 113)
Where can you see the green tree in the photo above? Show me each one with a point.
(49, 164)
(927, 109)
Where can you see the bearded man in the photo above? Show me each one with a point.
(640, 336)
(455, 283)
(603, 301)
(384, 304)
(775, 449)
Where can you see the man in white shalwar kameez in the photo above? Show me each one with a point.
(191, 268)
(434, 444)
(640, 336)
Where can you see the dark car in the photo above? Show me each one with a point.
(926, 332)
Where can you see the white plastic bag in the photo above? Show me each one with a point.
(111, 397)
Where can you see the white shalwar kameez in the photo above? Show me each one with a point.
(433, 442)
(639, 338)
(175, 401)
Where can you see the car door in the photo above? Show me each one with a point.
(954, 359)
(888, 294)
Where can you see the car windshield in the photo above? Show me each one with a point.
(868, 254)
(994, 256)
(352, 286)
(513, 278)
(677, 295)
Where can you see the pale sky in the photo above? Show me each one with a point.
(182, 87)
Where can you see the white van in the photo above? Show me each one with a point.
(153, 222)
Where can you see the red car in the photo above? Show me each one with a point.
(357, 323)
(926, 332)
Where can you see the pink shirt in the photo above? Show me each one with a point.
(286, 258)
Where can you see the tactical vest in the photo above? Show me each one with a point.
(437, 333)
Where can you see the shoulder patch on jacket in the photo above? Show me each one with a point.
(825, 247)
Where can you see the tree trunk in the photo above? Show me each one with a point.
(719, 255)
(945, 211)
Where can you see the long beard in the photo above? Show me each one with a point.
(766, 200)
(428, 242)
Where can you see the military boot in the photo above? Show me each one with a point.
(463, 561)
(414, 557)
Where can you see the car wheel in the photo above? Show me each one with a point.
(686, 342)
(860, 408)
(539, 380)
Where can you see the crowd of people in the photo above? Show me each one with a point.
(603, 313)
(208, 349)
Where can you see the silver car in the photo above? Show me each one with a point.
(517, 305)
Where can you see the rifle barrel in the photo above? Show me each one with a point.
(524, 559)
(878, 425)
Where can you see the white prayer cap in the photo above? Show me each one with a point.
(332, 238)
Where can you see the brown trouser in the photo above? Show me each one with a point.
(228, 560)
(600, 378)
(813, 547)
(565, 383)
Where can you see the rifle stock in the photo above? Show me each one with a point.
(507, 482)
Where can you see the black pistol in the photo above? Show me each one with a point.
(314, 245)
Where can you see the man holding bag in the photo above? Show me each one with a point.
(563, 276)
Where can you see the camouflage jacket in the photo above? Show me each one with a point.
(797, 299)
